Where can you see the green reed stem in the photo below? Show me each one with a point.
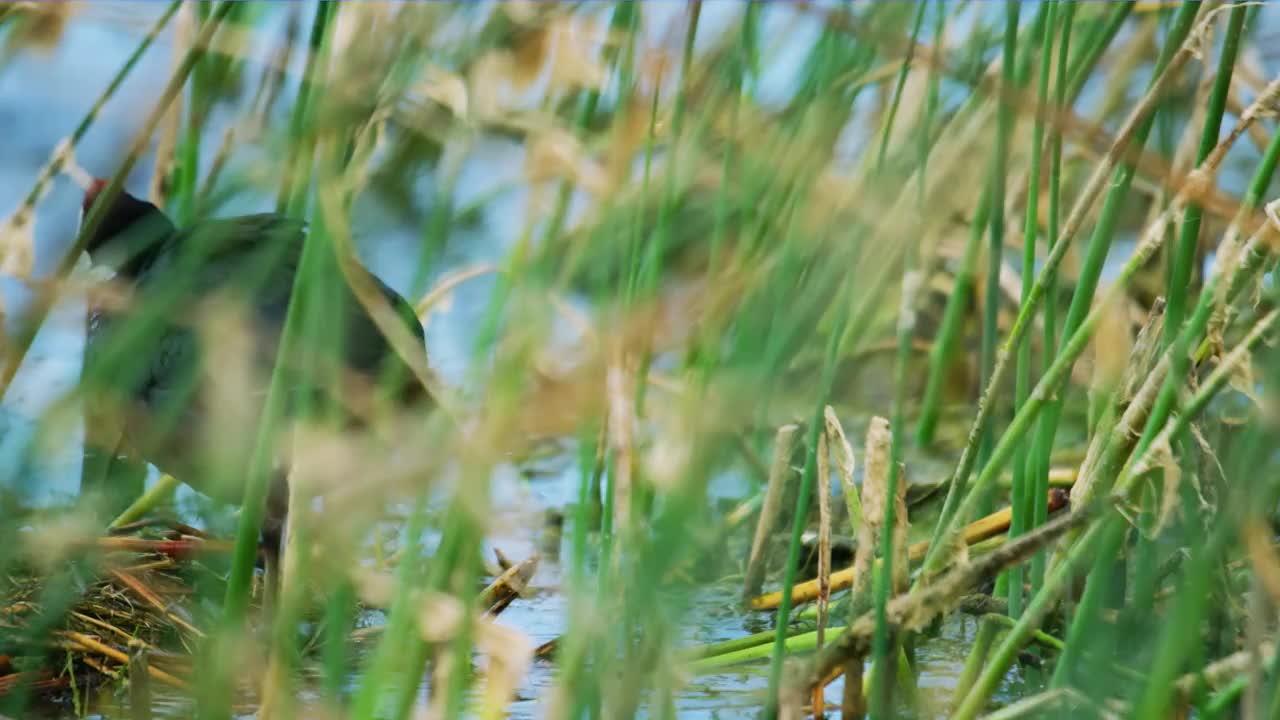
(57, 162)
(462, 572)
(396, 641)
(1108, 526)
(953, 316)
(627, 16)
(1095, 44)
(259, 471)
(1139, 119)
(572, 656)
(943, 348)
(291, 200)
(398, 689)
(1192, 596)
(588, 102)
(1117, 199)
(188, 171)
(317, 324)
(1111, 523)
(258, 480)
(340, 616)
(1189, 235)
(43, 301)
(1183, 257)
(995, 244)
(1022, 502)
(1049, 383)
(1042, 447)
(802, 504)
(655, 252)
(882, 647)
(901, 82)
(1095, 592)
(932, 103)
(657, 245)
(1002, 658)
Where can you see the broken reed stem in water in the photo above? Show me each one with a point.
(779, 473)
(996, 523)
(824, 550)
(845, 465)
(874, 499)
(916, 609)
(830, 361)
(852, 701)
(883, 470)
(875, 487)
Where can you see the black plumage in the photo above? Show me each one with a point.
(150, 364)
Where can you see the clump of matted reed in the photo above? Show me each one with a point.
(115, 613)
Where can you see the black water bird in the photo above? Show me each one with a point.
(163, 374)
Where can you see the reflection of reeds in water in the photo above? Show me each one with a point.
(729, 259)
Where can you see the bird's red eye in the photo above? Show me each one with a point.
(91, 193)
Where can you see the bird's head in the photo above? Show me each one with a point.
(128, 226)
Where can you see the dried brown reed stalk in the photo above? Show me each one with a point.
(824, 550)
(779, 473)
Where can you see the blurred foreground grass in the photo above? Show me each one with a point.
(1018, 242)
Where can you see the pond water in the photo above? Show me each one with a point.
(43, 94)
